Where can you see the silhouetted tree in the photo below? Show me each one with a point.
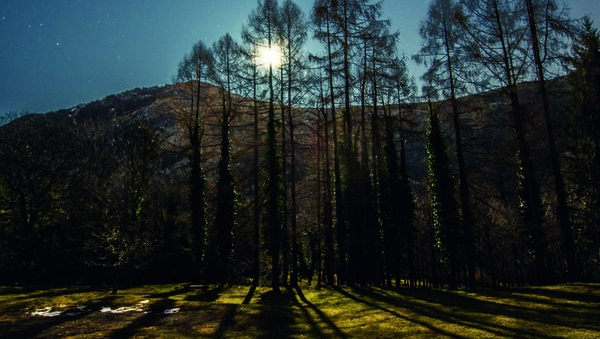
(493, 34)
(293, 31)
(322, 18)
(190, 71)
(225, 70)
(446, 223)
(583, 165)
(261, 30)
(441, 53)
(547, 29)
(123, 230)
(38, 166)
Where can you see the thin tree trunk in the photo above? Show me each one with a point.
(196, 197)
(341, 221)
(530, 193)
(465, 203)
(256, 273)
(285, 245)
(328, 201)
(559, 185)
(294, 277)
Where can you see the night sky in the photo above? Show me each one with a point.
(60, 53)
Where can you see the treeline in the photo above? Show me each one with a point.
(266, 164)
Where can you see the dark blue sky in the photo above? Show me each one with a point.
(59, 53)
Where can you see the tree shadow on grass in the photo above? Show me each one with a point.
(590, 296)
(455, 308)
(164, 295)
(276, 316)
(543, 308)
(249, 295)
(322, 317)
(205, 296)
(227, 322)
(589, 286)
(32, 326)
(279, 314)
(148, 319)
(375, 305)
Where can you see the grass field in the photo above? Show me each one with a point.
(170, 311)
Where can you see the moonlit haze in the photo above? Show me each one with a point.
(269, 56)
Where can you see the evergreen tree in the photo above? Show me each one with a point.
(190, 71)
(446, 223)
(583, 167)
(546, 15)
(441, 53)
(225, 70)
(401, 201)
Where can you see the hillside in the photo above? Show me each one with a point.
(104, 187)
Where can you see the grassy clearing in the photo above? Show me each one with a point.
(562, 311)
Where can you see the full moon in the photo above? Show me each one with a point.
(269, 56)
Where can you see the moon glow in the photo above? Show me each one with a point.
(269, 56)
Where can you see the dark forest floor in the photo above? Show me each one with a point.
(170, 311)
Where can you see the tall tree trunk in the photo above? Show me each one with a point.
(328, 200)
(465, 202)
(339, 211)
(256, 205)
(293, 212)
(198, 222)
(559, 185)
(446, 223)
(320, 202)
(530, 193)
(224, 218)
(273, 188)
(285, 245)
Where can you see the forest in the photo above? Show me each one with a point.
(266, 163)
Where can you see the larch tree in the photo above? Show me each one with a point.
(251, 77)
(397, 208)
(351, 19)
(493, 34)
(547, 27)
(326, 217)
(441, 54)
(293, 32)
(190, 72)
(379, 47)
(405, 88)
(261, 29)
(226, 62)
(324, 31)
